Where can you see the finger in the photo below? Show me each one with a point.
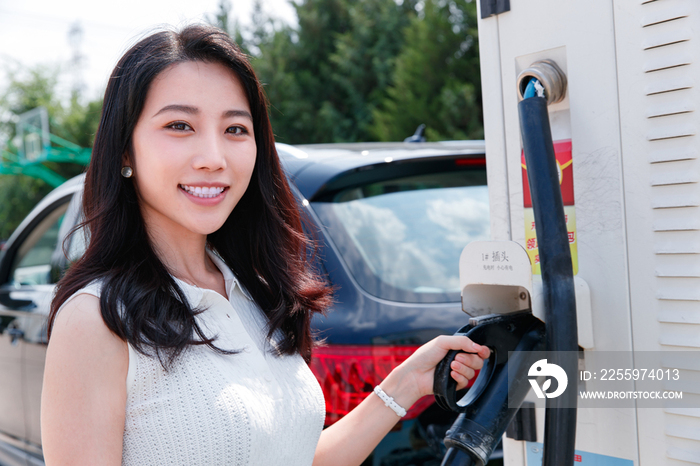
(481, 350)
(466, 371)
(472, 360)
(459, 342)
(461, 380)
(484, 352)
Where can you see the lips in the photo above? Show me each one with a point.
(204, 192)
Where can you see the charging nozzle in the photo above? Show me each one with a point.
(487, 407)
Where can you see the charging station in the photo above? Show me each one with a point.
(625, 137)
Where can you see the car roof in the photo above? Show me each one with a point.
(312, 166)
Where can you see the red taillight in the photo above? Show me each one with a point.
(471, 162)
(349, 373)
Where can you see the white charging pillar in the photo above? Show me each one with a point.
(633, 68)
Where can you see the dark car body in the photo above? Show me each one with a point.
(370, 314)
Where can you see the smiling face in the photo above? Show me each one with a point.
(193, 149)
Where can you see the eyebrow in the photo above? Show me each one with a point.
(194, 111)
(238, 113)
(178, 108)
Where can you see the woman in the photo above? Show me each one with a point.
(180, 337)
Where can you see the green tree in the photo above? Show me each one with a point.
(436, 79)
(336, 67)
(73, 121)
(296, 69)
(363, 63)
(362, 70)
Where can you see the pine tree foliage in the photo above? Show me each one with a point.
(363, 70)
(436, 77)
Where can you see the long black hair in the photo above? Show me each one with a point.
(262, 241)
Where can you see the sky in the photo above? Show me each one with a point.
(36, 32)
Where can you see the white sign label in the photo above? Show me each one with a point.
(495, 278)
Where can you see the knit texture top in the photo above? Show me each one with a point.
(208, 409)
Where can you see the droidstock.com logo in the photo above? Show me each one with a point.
(543, 369)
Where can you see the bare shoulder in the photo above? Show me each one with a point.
(84, 393)
(79, 326)
(83, 348)
(81, 309)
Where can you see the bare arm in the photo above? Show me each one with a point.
(83, 399)
(350, 440)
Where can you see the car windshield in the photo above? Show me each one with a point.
(402, 238)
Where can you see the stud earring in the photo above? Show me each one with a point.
(127, 172)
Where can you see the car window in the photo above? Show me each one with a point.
(32, 264)
(78, 238)
(402, 238)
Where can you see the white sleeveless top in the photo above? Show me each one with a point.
(250, 408)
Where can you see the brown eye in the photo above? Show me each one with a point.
(179, 126)
(237, 130)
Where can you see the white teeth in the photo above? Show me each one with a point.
(203, 191)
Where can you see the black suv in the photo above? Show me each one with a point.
(391, 221)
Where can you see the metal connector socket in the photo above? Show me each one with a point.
(549, 75)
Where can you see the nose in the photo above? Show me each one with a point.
(210, 154)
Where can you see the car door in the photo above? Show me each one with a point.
(30, 271)
(11, 401)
